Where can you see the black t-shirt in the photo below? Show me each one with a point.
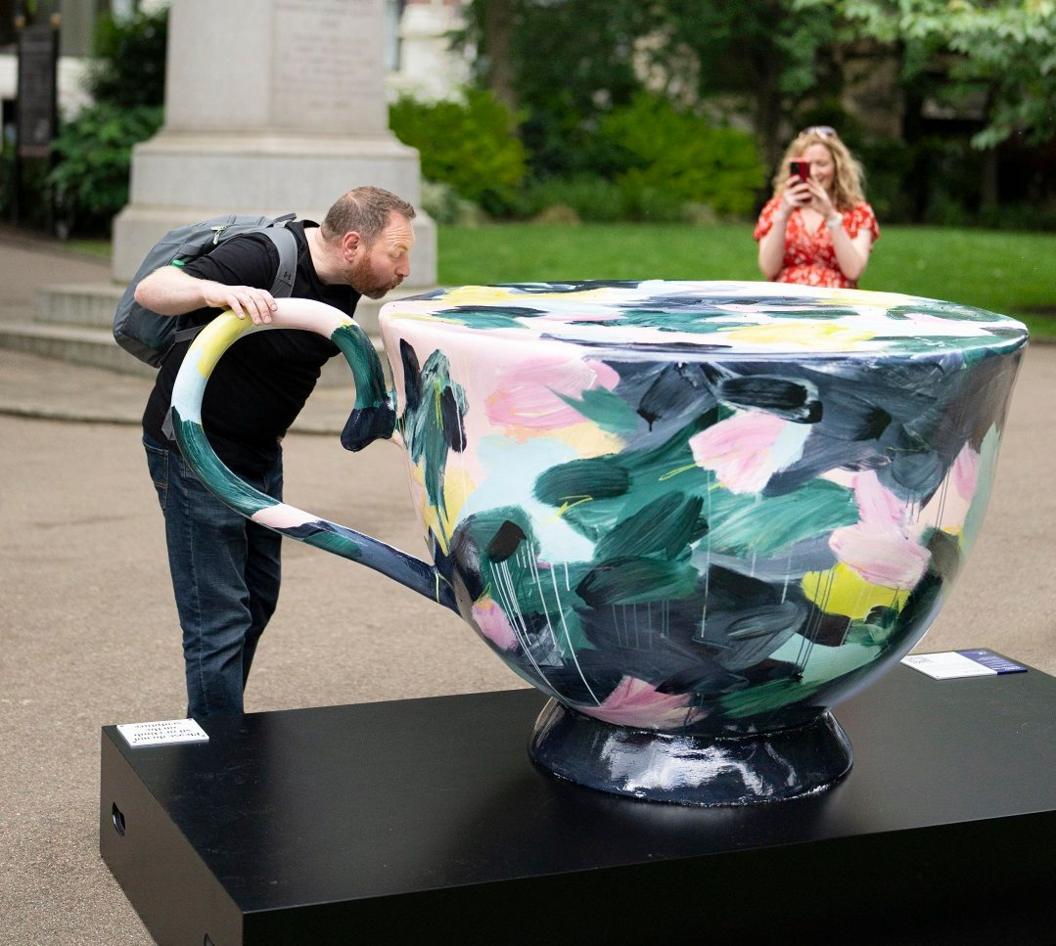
(262, 381)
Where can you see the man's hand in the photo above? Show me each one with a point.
(243, 301)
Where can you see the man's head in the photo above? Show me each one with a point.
(369, 230)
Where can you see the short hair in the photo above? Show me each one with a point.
(365, 210)
(848, 182)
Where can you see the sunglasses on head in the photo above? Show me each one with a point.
(826, 131)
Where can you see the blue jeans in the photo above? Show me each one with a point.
(225, 575)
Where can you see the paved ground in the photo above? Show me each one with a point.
(88, 631)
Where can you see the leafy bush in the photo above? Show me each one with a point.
(446, 207)
(128, 59)
(1019, 216)
(678, 157)
(890, 184)
(471, 145)
(592, 198)
(94, 152)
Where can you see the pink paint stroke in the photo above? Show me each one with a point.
(883, 546)
(528, 394)
(745, 450)
(637, 703)
(491, 621)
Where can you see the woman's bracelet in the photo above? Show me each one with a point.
(835, 221)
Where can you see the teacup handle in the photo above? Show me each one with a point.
(373, 417)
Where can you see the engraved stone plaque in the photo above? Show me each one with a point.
(327, 71)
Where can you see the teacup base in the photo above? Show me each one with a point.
(691, 769)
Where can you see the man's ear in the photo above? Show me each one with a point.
(350, 243)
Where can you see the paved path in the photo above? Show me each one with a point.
(28, 262)
(88, 632)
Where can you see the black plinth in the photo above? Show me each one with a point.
(423, 821)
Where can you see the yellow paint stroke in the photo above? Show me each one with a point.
(479, 295)
(675, 471)
(216, 338)
(490, 295)
(587, 439)
(457, 486)
(825, 336)
(864, 297)
(564, 507)
(841, 590)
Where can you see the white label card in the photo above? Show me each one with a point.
(947, 666)
(952, 664)
(164, 732)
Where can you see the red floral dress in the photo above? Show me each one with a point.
(809, 257)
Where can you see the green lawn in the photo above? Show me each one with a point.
(91, 247)
(1013, 273)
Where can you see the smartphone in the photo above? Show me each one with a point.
(800, 169)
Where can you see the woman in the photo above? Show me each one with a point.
(817, 230)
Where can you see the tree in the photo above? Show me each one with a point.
(1006, 48)
(775, 55)
(569, 63)
(93, 152)
(566, 64)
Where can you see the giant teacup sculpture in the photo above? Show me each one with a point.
(696, 515)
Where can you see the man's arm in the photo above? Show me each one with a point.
(170, 291)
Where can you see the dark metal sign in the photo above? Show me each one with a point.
(38, 54)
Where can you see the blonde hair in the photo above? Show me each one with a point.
(848, 180)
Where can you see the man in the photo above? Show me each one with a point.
(225, 569)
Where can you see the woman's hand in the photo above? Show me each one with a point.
(818, 199)
(795, 195)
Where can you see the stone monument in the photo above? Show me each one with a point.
(270, 106)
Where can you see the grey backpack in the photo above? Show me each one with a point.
(148, 335)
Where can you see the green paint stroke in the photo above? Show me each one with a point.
(664, 528)
(198, 453)
(766, 697)
(747, 524)
(609, 411)
(538, 604)
(365, 365)
(434, 426)
(342, 545)
(531, 592)
(596, 493)
(638, 581)
(488, 317)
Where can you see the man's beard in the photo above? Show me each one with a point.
(377, 293)
(367, 284)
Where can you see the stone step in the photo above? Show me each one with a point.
(96, 347)
(92, 305)
(73, 343)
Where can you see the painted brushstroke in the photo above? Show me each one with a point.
(745, 450)
(636, 703)
(883, 547)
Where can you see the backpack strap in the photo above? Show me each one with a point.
(286, 246)
(184, 333)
